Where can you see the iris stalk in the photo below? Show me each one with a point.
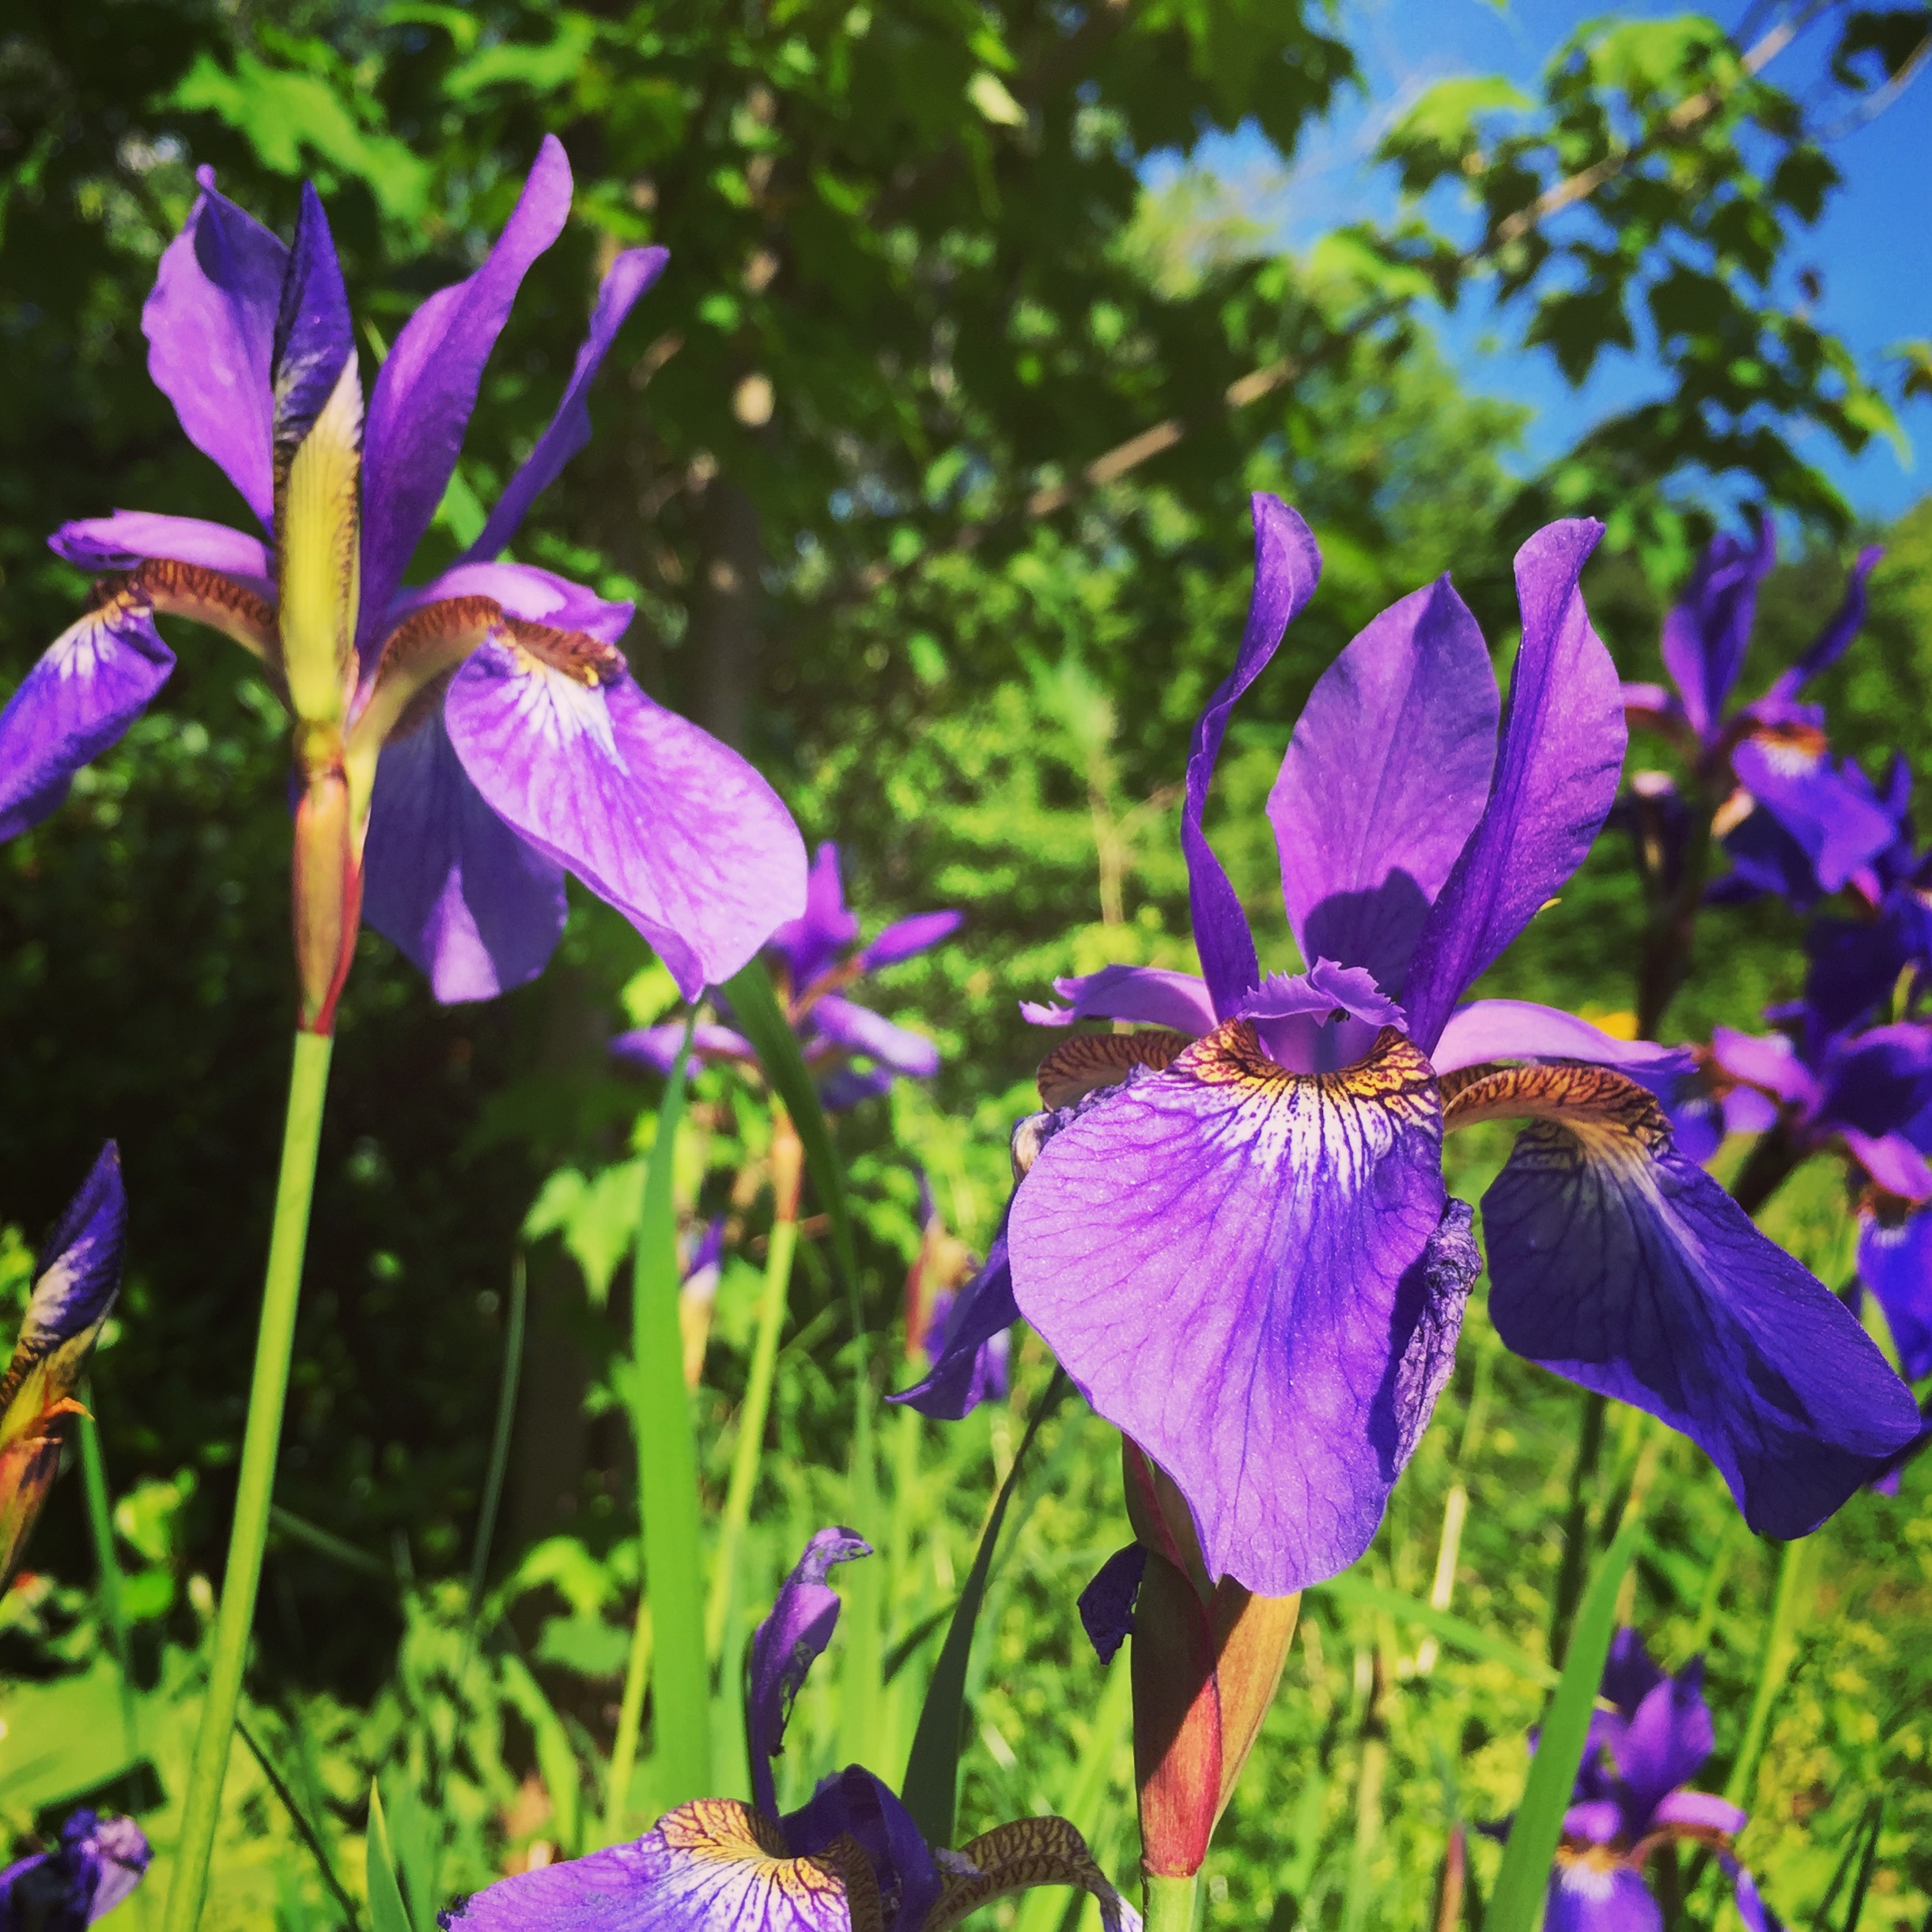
(787, 1160)
(100, 1524)
(667, 1502)
(274, 1343)
(1790, 1604)
(1169, 1904)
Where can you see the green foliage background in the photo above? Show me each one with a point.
(925, 228)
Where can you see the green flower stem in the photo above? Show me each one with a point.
(787, 1159)
(1169, 1905)
(308, 1079)
(1790, 1606)
(673, 1594)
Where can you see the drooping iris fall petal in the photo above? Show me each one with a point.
(1895, 1262)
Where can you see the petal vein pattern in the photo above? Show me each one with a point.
(1224, 1257)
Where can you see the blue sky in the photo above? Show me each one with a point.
(1873, 246)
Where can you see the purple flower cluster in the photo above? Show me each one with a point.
(1233, 1229)
(815, 958)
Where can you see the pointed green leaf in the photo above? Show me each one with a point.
(930, 1790)
(387, 1913)
(1517, 1903)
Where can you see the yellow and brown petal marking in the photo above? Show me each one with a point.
(1089, 1061)
(1606, 1110)
(203, 595)
(723, 1864)
(1015, 1857)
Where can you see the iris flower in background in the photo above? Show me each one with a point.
(1234, 1231)
(701, 1261)
(849, 1859)
(96, 1867)
(1794, 819)
(941, 1288)
(460, 744)
(814, 958)
(73, 1290)
(1631, 1800)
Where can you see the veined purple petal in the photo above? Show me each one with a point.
(1597, 1891)
(1384, 780)
(1895, 1262)
(1767, 1060)
(858, 1030)
(424, 395)
(854, 1804)
(786, 1646)
(1287, 565)
(1838, 828)
(1233, 1263)
(1556, 780)
(1521, 1030)
(211, 326)
(1320, 1021)
(91, 683)
(957, 1382)
(315, 339)
(1668, 1740)
(629, 275)
(129, 537)
(711, 1866)
(674, 829)
(1881, 1079)
(654, 1049)
(476, 908)
(535, 596)
(819, 935)
(1153, 994)
(1699, 1811)
(906, 937)
(79, 1271)
(1833, 640)
(1705, 635)
(1619, 1263)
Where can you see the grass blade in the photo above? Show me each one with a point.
(386, 1911)
(1517, 1903)
(930, 1790)
(303, 1830)
(1458, 1632)
(500, 1437)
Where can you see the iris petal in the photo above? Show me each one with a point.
(476, 908)
(1521, 1030)
(1155, 994)
(676, 830)
(90, 684)
(1385, 778)
(1596, 1892)
(1229, 1260)
(1620, 1264)
(1895, 1262)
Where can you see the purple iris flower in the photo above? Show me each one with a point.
(1631, 1800)
(815, 958)
(95, 1867)
(1796, 820)
(1234, 1232)
(461, 743)
(74, 1293)
(849, 1859)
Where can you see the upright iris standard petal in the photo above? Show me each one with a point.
(1620, 1264)
(1153, 994)
(427, 389)
(129, 537)
(1705, 635)
(629, 276)
(712, 1866)
(91, 683)
(1385, 778)
(1555, 779)
(820, 934)
(1521, 1030)
(1895, 1262)
(1287, 565)
(1230, 1261)
(656, 816)
(786, 1646)
(475, 908)
(211, 326)
(1835, 638)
